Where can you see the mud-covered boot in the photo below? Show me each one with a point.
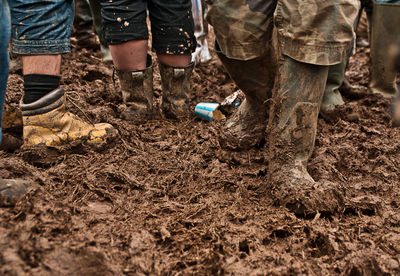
(255, 77)
(137, 92)
(332, 97)
(12, 117)
(46, 121)
(175, 90)
(384, 37)
(292, 128)
(11, 190)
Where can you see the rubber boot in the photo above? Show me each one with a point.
(175, 90)
(332, 97)
(385, 35)
(46, 121)
(292, 127)
(95, 8)
(137, 92)
(246, 127)
(11, 190)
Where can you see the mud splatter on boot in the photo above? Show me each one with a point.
(175, 90)
(137, 92)
(46, 121)
(292, 128)
(255, 77)
(332, 97)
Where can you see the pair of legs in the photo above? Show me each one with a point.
(126, 32)
(384, 30)
(131, 56)
(298, 84)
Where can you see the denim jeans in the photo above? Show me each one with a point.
(41, 27)
(388, 1)
(4, 59)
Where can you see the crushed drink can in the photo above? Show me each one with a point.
(209, 111)
(216, 111)
(231, 102)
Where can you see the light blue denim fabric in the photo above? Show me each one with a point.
(4, 59)
(41, 27)
(388, 1)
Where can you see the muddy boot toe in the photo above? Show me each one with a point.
(47, 121)
(298, 192)
(245, 128)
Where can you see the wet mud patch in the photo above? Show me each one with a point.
(165, 198)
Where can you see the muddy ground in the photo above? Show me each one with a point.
(163, 198)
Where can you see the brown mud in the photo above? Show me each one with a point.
(163, 198)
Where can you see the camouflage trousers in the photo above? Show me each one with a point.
(318, 32)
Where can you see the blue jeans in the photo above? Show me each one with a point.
(41, 27)
(4, 59)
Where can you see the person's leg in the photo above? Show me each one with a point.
(41, 31)
(4, 59)
(174, 60)
(292, 129)
(332, 97)
(297, 96)
(95, 8)
(202, 53)
(130, 55)
(83, 25)
(41, 64)
(10, 189)
(173, 41)
(385, 35)
(395, 109)
(249, 57)
(125, 31)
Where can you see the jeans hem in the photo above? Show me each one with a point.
(37, 47)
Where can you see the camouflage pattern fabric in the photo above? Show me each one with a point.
(240, 29)
(311, 31)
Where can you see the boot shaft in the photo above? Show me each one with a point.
(385, 39)
(176, 87)
(137, 90)
(254, 77)
(294, 114)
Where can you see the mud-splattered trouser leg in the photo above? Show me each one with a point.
(171, 24)
(95, 7)
(83, 21)
(41, 27)
(4, 59)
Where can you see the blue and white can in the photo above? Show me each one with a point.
(208, 111)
